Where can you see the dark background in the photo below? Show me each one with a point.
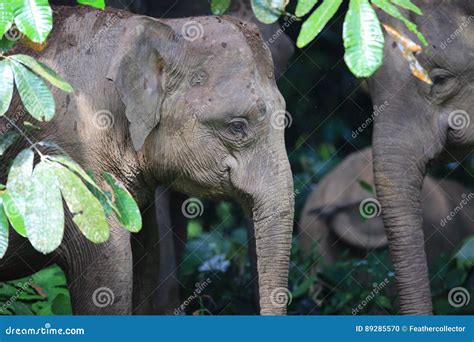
(326, 103)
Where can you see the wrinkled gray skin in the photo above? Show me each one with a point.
(172, 226)
(331, 216)
(413, 132)
(191, 114)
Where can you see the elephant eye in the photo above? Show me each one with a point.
(443, 83)
(238, 127)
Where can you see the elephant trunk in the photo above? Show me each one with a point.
(399, 170)
(273, 224)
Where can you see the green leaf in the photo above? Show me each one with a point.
(384, 301)
(302, 288)
(7, 139)
(73, 166)
(19, 181)
(316, 22)
(44, 213)
(94, 3)
(366, 186)
(218, 7)
(6, 86)
(44, 71)
(392, 10)
(128, 212)
(363, 39)
(87, 212)
(90, 181)
(465, 255)
(104, 197)
(6, 44)
(36, 97)
(34, 18)
(304, 6)
(6, 17)
(61, 305)
(28, 125)
(3, 232)
(407, 4)
(13, 213)
(268, 11)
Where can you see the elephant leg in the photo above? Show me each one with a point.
(99, 276)
(166, 299)
(157, 251)
(146, 264)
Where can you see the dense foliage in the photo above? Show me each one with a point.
(32, 198)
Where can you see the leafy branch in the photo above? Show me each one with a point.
(362, 32)
(31, 202)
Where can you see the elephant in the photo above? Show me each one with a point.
(183, 103)
(420, 124)
(281, 48)
(335, 220)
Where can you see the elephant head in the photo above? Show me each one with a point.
(421, 123)
(205, 114)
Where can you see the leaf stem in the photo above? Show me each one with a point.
(32, 145)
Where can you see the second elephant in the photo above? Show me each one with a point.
(332, 219)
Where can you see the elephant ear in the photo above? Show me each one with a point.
(137, 71)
